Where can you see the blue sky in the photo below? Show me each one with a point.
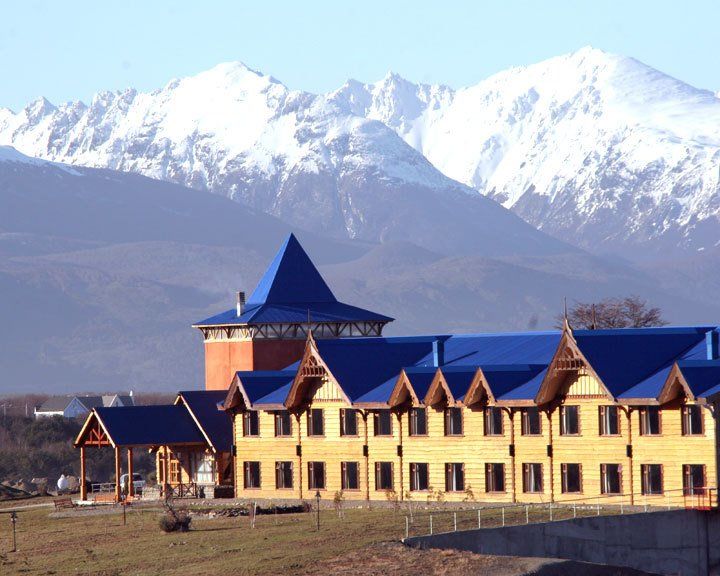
(69, 50)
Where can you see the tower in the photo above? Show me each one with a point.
(268, 332)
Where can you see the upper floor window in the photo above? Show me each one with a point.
(692, 420)
(569, 420)
(283, 423)
(493, 421)
(650, 423)
(453, 422)
(348, 422)
(609, 420)
(383, 423)
(531, 424)
(316, 422)
(251, 423)
(418, 422)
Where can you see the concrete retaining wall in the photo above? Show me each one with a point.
(683, 542)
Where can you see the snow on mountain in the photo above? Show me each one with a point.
(598, 149)
(296, 155)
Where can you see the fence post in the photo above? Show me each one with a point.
(503, 516)
(527, 514)
(407, 527)
(645, 500)
(574, 510)
(479, 520)
(621, 505)
(668, 500)
(551, 509)
(598, 506)
(431, 525)
(454, 521)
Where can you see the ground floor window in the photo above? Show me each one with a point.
(652, 478)
(532, 478)
(252, 474)
(571, 478)
(350, 475)
(283, 475)
(419, 476)
(383, 475)
(203, 466)
(494, 477)
(693, 479)
(611, 478)
(316, 475)
(454, 477)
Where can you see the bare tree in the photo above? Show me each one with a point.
(628, 312)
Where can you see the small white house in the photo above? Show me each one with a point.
(81, 406)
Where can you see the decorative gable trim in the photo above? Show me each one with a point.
(311, 366)
(237, 398)
(674, 385)
(479, 389)
(403, 389)
(567, 358)
(439, 390)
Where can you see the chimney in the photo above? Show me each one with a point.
(240, 303)
(711, 343)
(438, 353)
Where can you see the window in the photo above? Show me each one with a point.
(383, 423)
(283, 423)
(383, 475)
(650, 420)
(454, 477)
(493, 421)
(610, 478)
(348, 422)
(316, 422)
(494, 477)
(569, 420)
(204, 467)
(531, 424)
(532, 478)
(419, 478)
(251, 423)
(350, 475)
(252, 474)
(418, 422)
(609, 421)
(692, 420)
(571, 478)
(453, 422)
(316, 475)
(283, 475)
(693, 479)
(652, 478)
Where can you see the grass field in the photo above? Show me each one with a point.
(100, 544)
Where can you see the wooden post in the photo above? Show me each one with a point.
(83, 475)
(131, 484)
(167, 471)
(118, 471)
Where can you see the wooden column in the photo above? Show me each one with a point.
(131, 484)
(167, 471)
(118, 471)
(83, 475)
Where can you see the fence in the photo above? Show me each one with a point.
(426, 522)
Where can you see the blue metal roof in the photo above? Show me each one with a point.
(291, 291)
(259, 384)
(420, 379)
(703, 376)
(150, 425)
(508, 381)
(626, 359)
(527, 390)
(458, 379)
(217, 424)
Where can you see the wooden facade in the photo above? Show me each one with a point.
(579, 444)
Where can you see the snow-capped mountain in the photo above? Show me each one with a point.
(596, 149)
(600, 150)
(295, 155)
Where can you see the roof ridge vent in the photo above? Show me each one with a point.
(240, 306)
(712, 344)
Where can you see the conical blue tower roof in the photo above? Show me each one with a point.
(291, 278)
(293, 291)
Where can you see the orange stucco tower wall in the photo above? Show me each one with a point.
(223, 359)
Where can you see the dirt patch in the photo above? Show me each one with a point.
(395, 559)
